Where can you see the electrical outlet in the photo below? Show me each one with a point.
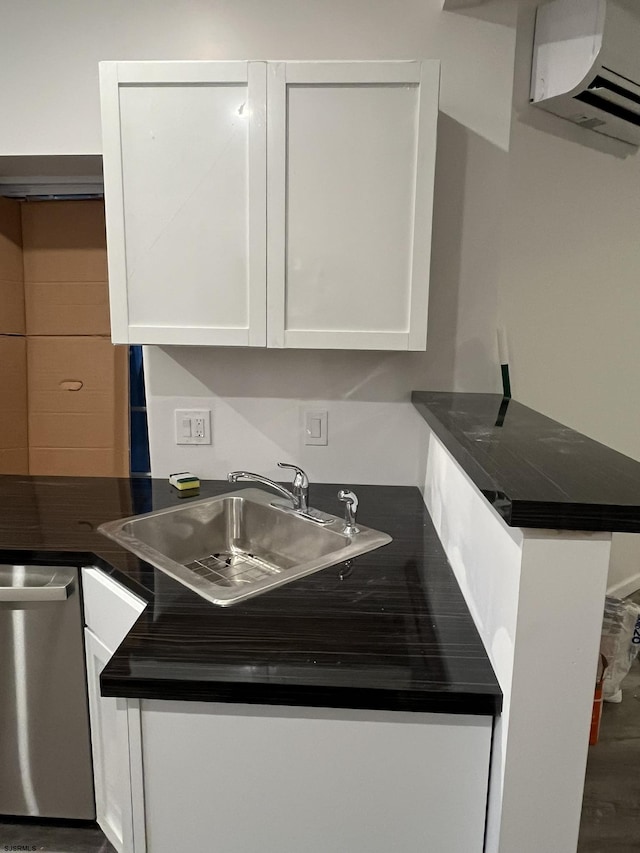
(193, 426)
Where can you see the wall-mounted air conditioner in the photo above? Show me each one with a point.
(586, 64)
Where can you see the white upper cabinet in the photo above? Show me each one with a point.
(278, 203)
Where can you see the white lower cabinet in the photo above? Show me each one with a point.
(259, 779)
(110, 748)
(272, 779)
(110, 611)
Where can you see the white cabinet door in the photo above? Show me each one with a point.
(351, 156)
(110, 748)
(252, 779)
(184, 154)
(110, 611)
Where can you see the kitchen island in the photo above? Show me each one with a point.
(351, 709)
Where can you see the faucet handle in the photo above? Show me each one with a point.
(300, 480)
(350, 500)
(300, 486)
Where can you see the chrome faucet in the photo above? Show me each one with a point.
(299, 494)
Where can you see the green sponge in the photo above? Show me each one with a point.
(184, 481)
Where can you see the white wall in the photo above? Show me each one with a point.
(257, 400)
(49, 103)
(49, 53)
(569, 281)
(257, 396)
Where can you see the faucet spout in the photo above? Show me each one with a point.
(247, 476)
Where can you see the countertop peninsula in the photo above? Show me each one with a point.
(534, 471)
(393, 633)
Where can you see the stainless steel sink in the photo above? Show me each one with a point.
(240, 544)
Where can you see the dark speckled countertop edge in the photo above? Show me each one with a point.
(450, 414)
(467, 702)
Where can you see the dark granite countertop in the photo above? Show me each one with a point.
(535, 471)
(394, 634)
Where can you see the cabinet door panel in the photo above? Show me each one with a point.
(350, 184)
(110, 749)
(229, 779)
(185, 190)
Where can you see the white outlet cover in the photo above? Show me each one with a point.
(185, 426)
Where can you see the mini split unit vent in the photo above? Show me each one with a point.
(586, 64)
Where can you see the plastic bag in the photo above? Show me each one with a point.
(620, 643)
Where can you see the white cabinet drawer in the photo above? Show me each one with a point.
(110, 610)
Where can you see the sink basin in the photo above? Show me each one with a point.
(237, 545)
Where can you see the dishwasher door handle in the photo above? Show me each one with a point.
(47, 592)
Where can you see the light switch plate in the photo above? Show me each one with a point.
(193, 426)
(315, 426)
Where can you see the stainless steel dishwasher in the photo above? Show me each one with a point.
(45, 752)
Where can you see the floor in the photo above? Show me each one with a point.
(52, 838)
(611, 807)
